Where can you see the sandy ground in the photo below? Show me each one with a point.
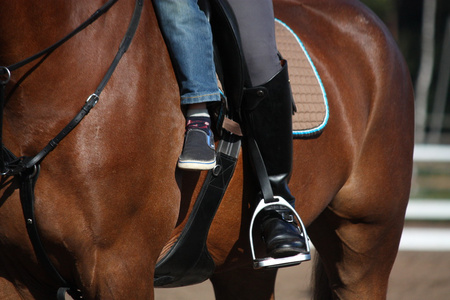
(415, 276)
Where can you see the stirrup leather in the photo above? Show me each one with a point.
(270, 262)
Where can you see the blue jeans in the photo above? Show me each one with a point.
(189, 39)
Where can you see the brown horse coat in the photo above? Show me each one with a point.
(109, 198)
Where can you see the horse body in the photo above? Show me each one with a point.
(109, 197)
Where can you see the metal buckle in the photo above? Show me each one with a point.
(270, 262)
(5, 71)
(94, 97)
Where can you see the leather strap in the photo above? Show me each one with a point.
(124, 45)
(188, 261)
(92, 99)
(260, 170)
(29, 162)
(6, 71)
(53, 47)
(28, 169)
(27, 183)
(2, 103)
(232, 126)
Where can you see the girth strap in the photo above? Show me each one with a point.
(27, 182)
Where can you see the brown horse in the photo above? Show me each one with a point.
(109, 197)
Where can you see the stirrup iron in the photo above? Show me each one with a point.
(271, 262)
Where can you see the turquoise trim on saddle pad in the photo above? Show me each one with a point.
(320, 127)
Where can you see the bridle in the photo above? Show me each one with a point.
(27, 168)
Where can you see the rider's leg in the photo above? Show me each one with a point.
(268, 118)
(189, 39)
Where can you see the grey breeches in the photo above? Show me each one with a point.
(257, 30)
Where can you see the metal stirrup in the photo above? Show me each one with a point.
(270, 262)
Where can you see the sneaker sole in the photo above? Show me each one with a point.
(189, 165)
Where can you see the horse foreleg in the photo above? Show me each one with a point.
(18, 282)
(8, 291)
(118, 276)
(244, 284)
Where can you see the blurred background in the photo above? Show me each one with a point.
(422, 268)
(422, 30)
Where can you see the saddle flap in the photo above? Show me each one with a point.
(230, 63)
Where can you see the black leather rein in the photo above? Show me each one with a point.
(27, 168)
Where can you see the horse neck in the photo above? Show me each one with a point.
(43, 101)
(130, 140)
(29, 27)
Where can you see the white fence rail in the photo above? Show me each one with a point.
(425, 239)
(428, 239)
(428, 210)
(432, 153)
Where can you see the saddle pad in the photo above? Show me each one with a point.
(307, 88)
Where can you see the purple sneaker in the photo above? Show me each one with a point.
(198, 150)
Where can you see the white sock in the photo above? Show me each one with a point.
(197, 112)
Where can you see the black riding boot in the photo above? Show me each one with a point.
(268, 120)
